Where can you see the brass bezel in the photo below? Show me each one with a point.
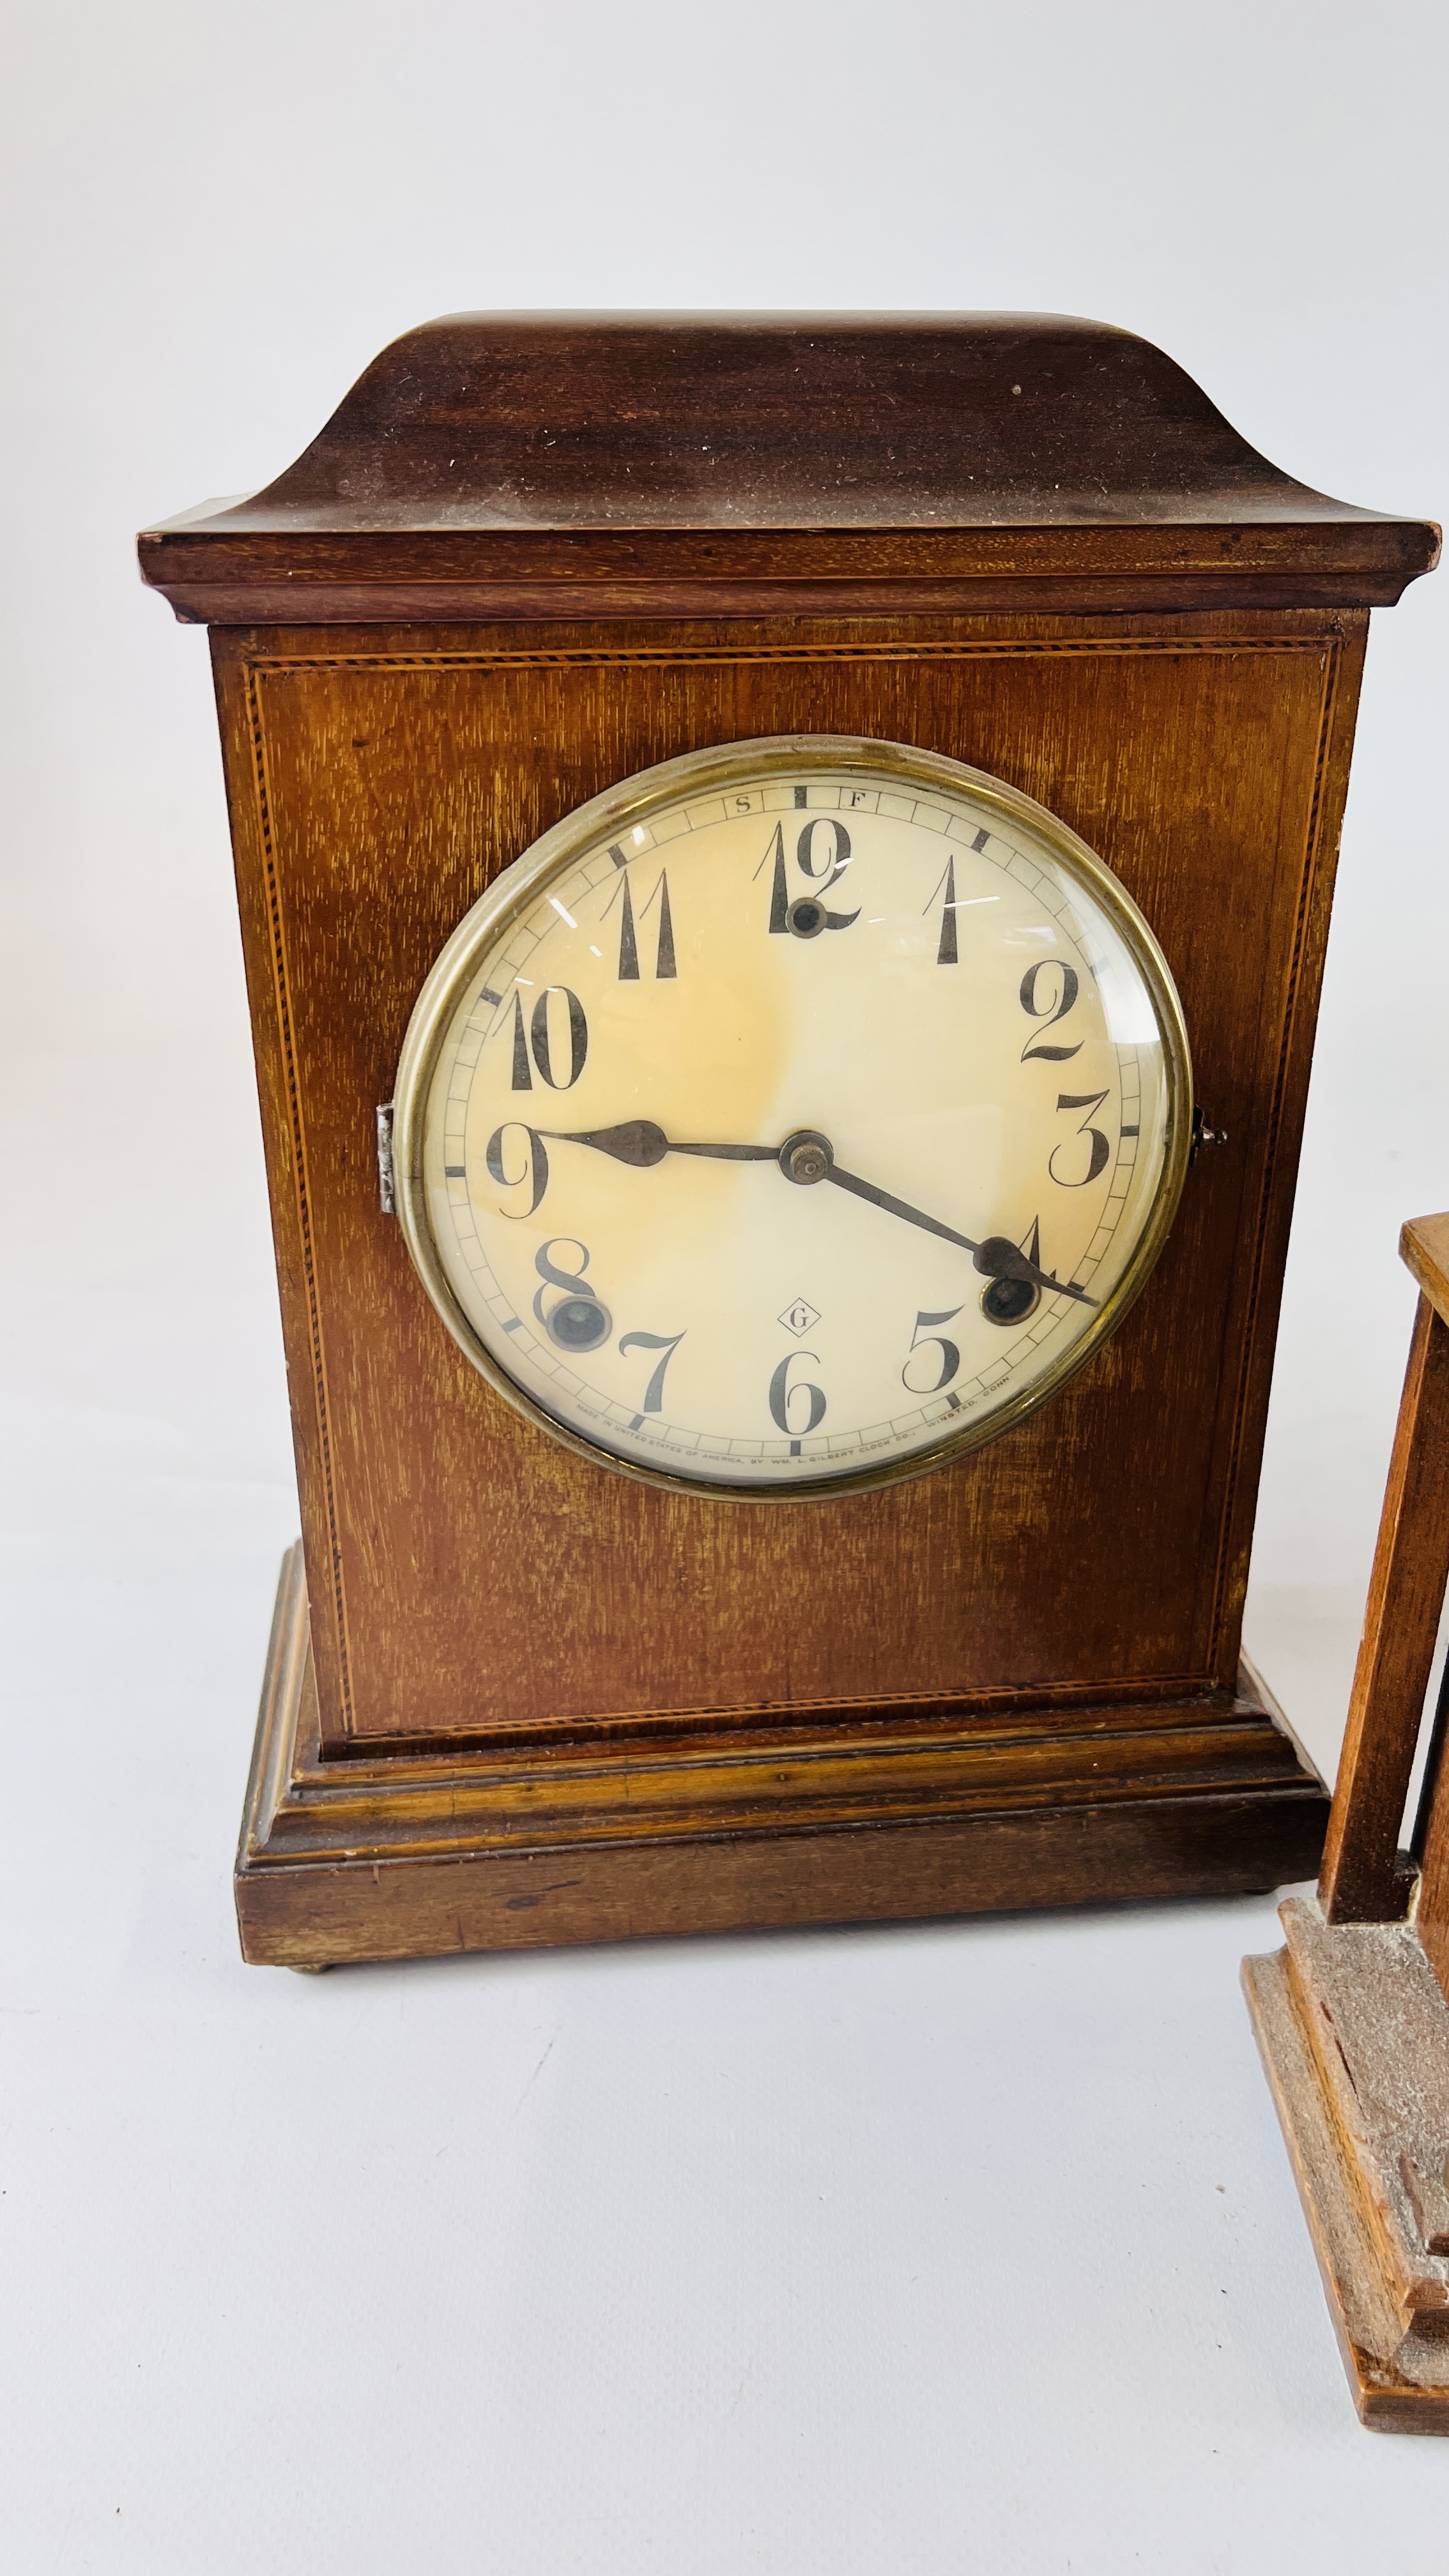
(603, 818)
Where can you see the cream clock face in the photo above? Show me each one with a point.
(793, 1116)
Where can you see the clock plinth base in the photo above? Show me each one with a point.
(1354, 2036)
(382, 1855)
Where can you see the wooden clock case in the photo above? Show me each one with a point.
(516, 1698)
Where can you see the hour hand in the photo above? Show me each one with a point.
(996, 1258)
(640, 1142)
(1002, 1259)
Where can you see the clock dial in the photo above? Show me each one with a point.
(792, 1115)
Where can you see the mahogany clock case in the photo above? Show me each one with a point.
(536, 1700)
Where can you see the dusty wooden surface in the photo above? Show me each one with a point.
(1400, 2384)
(1378, 2027)
(542, 465)
(1354, 2033)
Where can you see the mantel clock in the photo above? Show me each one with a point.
(784, 866)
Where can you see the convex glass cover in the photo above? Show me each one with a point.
(792, 1116)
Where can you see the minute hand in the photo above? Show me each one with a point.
(997, 1258)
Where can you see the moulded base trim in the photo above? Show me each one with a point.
(400, 1856)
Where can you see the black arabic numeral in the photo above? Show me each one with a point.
(578, 1322)
(829, 873)
(809, 914)
(779, 890)
(1048, 1010)
(522, 1078)
(535, 1167)
(665, 969)
(628, 944)
(923, 1337)
(782, 1395)
(542, 1044)
(1099, 1150)
(664, 966)
(654, 1392)
(836, 860)
(946, 954)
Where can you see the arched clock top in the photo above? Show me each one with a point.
(736, 462)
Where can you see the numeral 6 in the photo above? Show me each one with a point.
(783, 1394)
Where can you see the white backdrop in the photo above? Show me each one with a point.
(948, 2249)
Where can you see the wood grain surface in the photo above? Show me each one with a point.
(473, 1580)
(554, 465)
(395, 1855)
